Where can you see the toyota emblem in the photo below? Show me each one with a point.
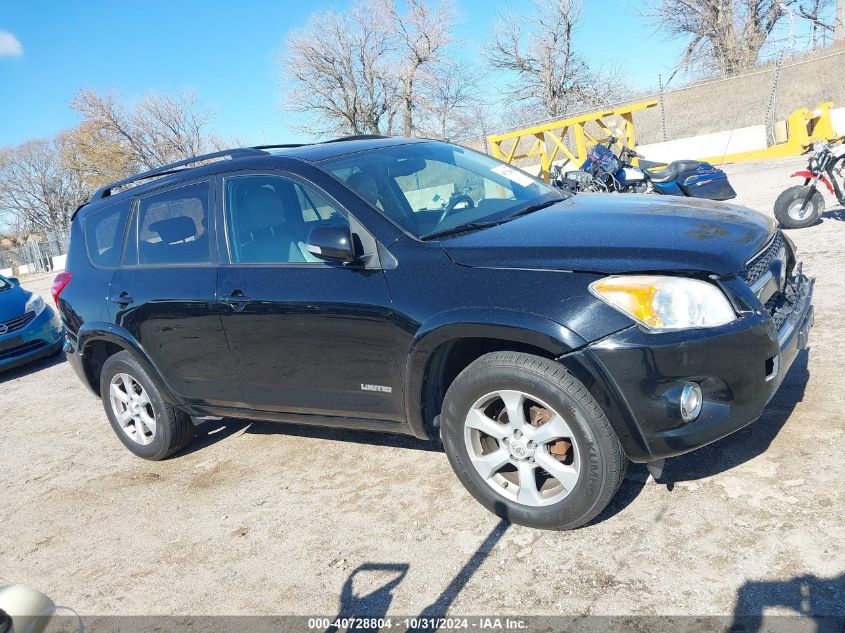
(3, 328)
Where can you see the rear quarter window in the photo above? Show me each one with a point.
(104, 229)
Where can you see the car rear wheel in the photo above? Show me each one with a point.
(146, 424)
(529, 441)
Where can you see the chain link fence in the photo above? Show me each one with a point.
(39, 256)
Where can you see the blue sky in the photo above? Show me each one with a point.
(227, 52)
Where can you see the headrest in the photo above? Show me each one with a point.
(364, 185)
(175, 229)
(261, 209)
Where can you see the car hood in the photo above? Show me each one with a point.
(12, 303)
(612, 233)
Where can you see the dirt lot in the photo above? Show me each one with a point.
(271, 519)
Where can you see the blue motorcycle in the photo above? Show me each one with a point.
(603, 170)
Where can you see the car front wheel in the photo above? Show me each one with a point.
(530, 443)
(146, 424)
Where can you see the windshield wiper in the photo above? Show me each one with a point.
(474, 226)
(531, 209)
(459, 228)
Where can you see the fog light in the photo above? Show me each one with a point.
(690, 402)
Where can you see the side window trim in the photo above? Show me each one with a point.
(211, 224)
(130, 234)
(295, 179)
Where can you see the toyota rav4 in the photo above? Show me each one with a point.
(419, 287)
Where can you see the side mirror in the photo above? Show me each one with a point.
(331, 242)
(14, 281)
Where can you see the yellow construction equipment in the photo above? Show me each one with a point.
(567, 137)
(803, 127)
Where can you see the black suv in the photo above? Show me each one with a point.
(419, 287)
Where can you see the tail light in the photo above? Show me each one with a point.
(60, 283)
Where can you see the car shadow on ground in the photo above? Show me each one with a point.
(747, 443)
(33, 367)
(374, 603)
(808, 596)
(710, 460)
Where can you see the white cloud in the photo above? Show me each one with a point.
(10, 46)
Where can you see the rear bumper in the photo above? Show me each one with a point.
(74, 359)
(39, 339)
(739, 368)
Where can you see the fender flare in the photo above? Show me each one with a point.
(808, 175)
(466, 323)
(102, 331)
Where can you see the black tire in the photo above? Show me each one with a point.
(788, 206)
(174, 428)
(603, 462)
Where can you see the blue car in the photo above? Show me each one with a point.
(29, 328)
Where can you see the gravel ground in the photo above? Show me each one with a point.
(257, 518)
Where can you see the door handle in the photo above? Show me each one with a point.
(123, 299)
(236, 300)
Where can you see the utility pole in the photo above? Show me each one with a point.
(839, 26)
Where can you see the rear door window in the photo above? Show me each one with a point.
(104, 229)
(172, 226)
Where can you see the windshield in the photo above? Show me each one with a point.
(431, 187)
(5, 284)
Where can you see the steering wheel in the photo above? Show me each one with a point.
(454, 200)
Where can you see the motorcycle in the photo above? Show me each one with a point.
(603, 170)
(802, 205)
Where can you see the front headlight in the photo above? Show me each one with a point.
(665, 303)
(34, 304)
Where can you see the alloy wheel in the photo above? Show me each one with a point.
(522, 448)
(132, 408)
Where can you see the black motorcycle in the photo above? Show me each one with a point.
(604, 170)
(802, 205)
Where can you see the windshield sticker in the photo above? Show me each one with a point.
(514, 175)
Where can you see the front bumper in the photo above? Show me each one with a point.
(40, 338)
(739, 368)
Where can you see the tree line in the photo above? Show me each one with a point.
(384, 67)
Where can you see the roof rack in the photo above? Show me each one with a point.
(172, 168)
(280, 145)
(356, 137)
(179, 165)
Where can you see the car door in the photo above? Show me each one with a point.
(164, 293)
(309, 336)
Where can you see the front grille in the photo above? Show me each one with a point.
(22, 349)
(758, 265)
(18, 323)
(780, 308)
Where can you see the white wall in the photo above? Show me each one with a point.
(707, 145)
(837, 116)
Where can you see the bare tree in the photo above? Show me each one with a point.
(341, 71)
(813, 12)
(449, 103)
(43, 181)
(423, 31)
(538, 50)
(725, 34)
(158, 129)
(96, 156)
(37, 188)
